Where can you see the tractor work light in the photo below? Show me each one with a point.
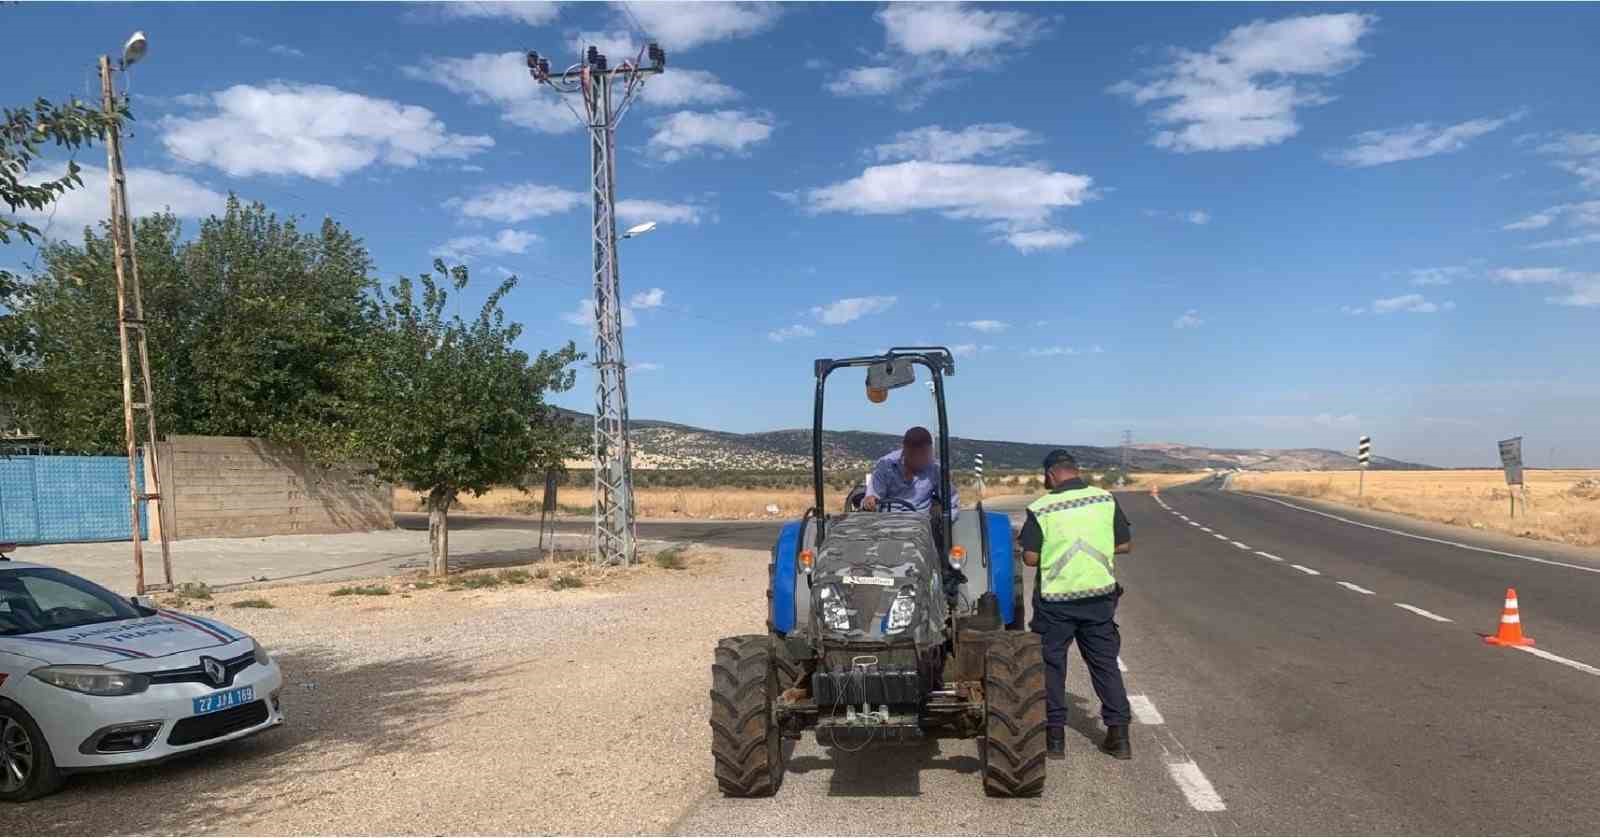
(835, 613)
(902, 610)
(877, 395)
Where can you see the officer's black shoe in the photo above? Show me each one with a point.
(1117, 743)
(1055, 742)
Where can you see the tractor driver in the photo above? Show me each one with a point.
(909, 475)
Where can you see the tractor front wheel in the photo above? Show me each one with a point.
(1014, 705)
(746, 743)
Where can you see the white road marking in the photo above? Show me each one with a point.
(1269, 555)
(1241, 545)
(1306, 570)
(1144, 710)
(1195, 524)
(1429, 614)
(1540, 653)
(1405, 534)
(1219, 535)
(1206, 529)
(1357, 588)
(1121, 667)
(1195, 787)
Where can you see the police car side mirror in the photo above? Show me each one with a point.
(142, 602)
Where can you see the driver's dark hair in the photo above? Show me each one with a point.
(917, 437)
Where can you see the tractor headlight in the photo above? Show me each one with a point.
(902, 610)
(835, 614)
(92, 680)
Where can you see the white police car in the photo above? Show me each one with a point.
(92, 680)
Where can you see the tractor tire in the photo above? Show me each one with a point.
(1019, 610)
(746, 744)
(1014, 717)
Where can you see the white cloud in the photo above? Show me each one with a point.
(686, 25)
(1578, 154)
(1188, 320)
(634, 211)
(687, 133)
(517, 202)
(653, 298)
(1053, 351)
(1353, 309)
(500, 79)
(955, 190)
(644, 366)
(311, 130)
(1243, 92)
(954, 30)
(1532, 276)
(866, 81)
(1579, 215)
(617, 46)
(962, 350)
(466, 248)
(790, 333)
(583, 315)
(848, 309)
(530, 13)
(1200, 217)
(941, 146)
(1581, 289)
(1425, 277)
(1031, 241)
(1413, 303)
(986, 326)
(678, 87)
(149, 191)
(1532, 222)
(1423, 139)
(276, 49)
(1197, 217)
(1570, 241)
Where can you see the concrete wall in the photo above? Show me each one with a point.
(215, 486)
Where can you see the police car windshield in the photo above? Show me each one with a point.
(43, 599)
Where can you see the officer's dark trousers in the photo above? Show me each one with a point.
(1093, 624)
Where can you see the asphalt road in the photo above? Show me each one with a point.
(1299, 674)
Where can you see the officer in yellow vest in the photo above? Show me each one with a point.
(1071, 537)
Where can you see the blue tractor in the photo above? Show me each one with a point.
(891, 623)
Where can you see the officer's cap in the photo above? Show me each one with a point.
(1060, 457)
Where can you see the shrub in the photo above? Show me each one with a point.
(515, 576)
(565, 581)
(478, 580)
(253, 603)
(193, 590)
(362, 590)
(671, 559)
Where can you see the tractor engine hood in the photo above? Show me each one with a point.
(868, 562)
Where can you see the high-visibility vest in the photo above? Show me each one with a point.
(1076, 560)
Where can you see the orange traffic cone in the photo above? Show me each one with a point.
(1510, 625)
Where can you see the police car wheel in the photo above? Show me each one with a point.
(27, 769)
(1014, 715)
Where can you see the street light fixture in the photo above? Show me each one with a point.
(134, 49)
(639, 229)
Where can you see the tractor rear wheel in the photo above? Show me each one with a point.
(1014, 705)
(746, 743)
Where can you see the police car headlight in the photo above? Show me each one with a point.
(835, 614)
(902, 610)
(261, 654)
(92, 680)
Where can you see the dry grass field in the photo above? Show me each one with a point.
(1564, 504)
(714, 502)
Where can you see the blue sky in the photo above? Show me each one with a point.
(1236, 225)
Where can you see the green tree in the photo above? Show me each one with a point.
(251, 328)
(24, 133)
(451, 405)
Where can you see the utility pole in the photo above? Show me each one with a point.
(1127, 440)
(615, 539)
(130, 321)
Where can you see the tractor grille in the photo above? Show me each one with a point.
(221, 723)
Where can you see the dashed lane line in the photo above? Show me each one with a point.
(1554, 658)
(1269, 555)
(1357, 588)
(1196, 788)
(1219, 535)
(1241, 545)
(1205, 529)
(1306, 570)
(1423, 613)
(1144, 710)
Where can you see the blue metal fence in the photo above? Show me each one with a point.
(48, 499)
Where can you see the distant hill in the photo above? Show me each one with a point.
(670, 445)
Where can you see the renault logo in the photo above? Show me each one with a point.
(215, 671)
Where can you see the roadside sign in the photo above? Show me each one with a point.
(1364, 451)
(1511, 459)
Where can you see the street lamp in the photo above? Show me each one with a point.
(134, 49)
(639, 229)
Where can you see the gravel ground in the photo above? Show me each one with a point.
(511, 710)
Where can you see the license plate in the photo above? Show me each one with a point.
(223, 700)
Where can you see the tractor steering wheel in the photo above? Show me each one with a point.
(888, 504)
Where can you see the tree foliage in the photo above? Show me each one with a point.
(251, 326)
(452, 405)
(24, 133)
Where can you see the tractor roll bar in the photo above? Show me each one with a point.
(940, 363)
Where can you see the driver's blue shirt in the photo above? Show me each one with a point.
(888, 480)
